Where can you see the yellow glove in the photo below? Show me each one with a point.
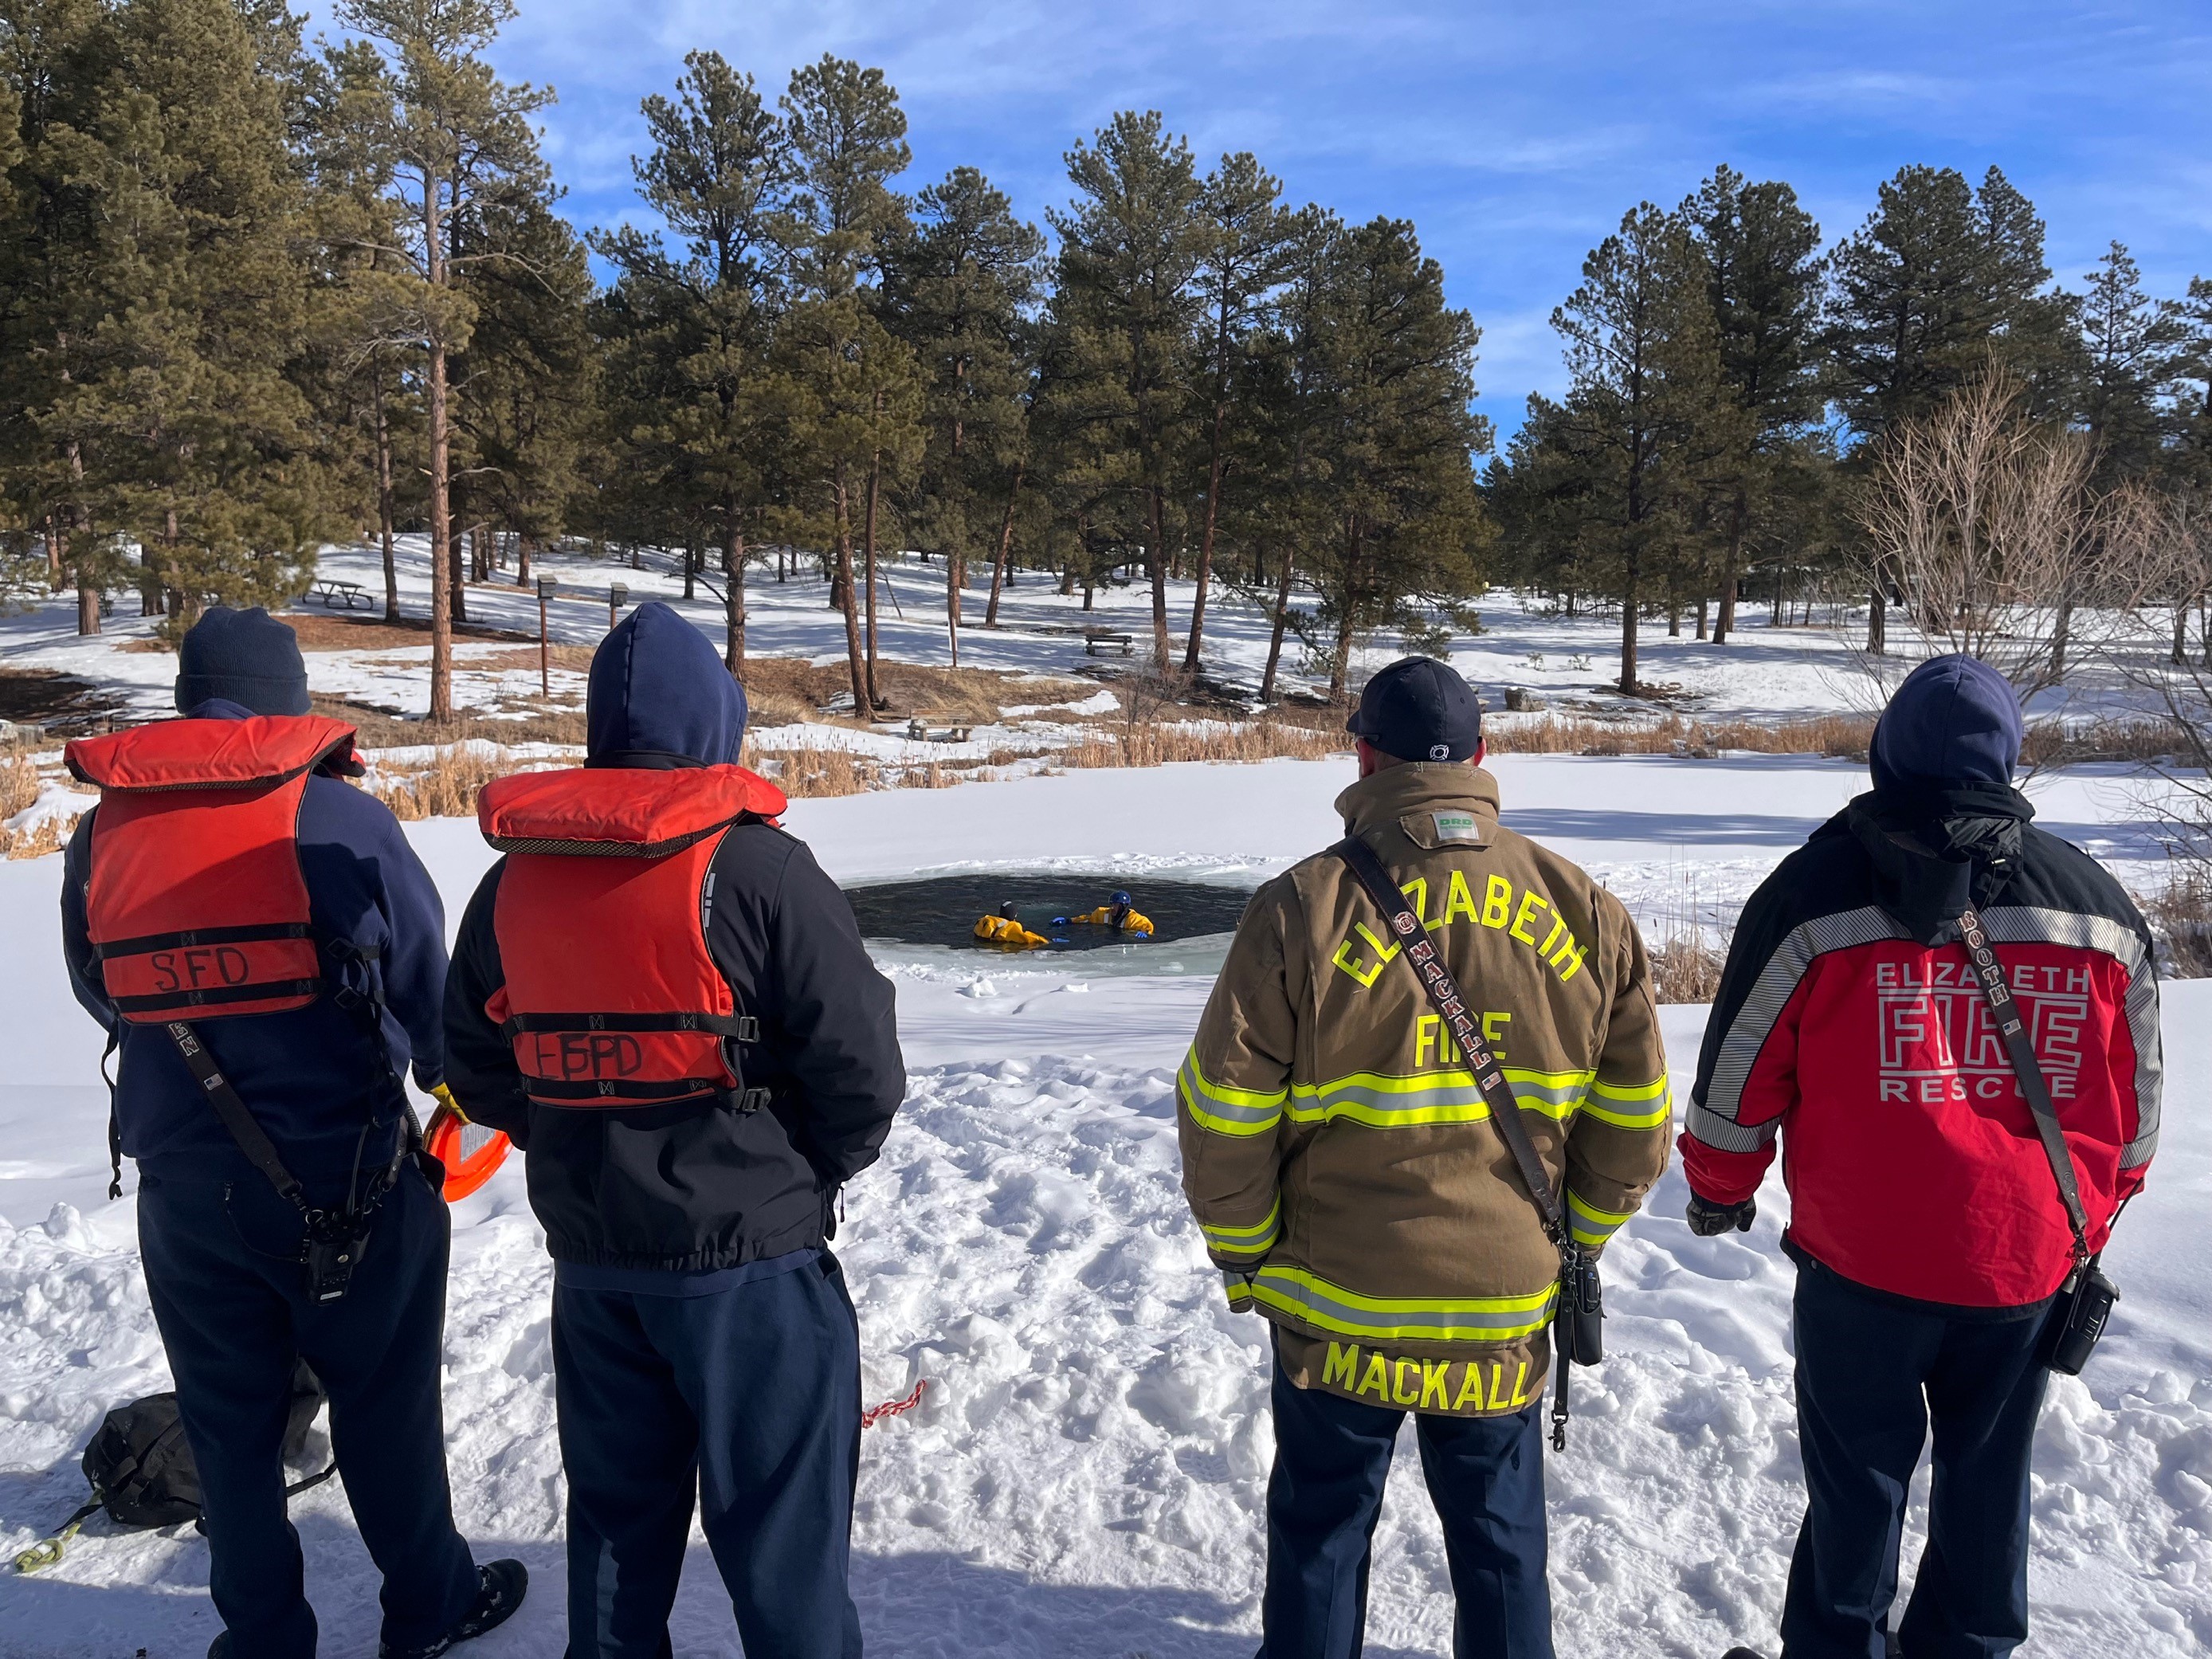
(444, 1097)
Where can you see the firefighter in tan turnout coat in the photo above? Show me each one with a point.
(1341, 1163)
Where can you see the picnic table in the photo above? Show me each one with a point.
(330, 591)
(1097, 641)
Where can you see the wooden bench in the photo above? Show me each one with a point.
(330, 591)
(1099, 641)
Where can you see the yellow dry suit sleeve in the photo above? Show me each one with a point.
(1230, 1092)
(1617, 1145)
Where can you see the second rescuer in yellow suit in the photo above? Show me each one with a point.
(1340, 1160)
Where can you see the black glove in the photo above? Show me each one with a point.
(1708, 1219)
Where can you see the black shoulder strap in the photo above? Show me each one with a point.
(260, 1150)
(2019, 1046)
(1465, 1031)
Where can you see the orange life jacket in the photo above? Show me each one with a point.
(611, 998)
(195, 903)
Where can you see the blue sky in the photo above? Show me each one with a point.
(1514, 135)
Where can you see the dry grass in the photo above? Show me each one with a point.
(377, 728)
(1154, 745)
(319, 630)
(2181, 918)
(1844, 736)
(576, 658)
(47, 835)
(1686, 968)
(448, 787)
(19, 785)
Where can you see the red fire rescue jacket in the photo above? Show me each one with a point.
(610, 997)
(196, 906)
(1849, 1023)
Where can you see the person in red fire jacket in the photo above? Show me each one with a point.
(1926, 1220)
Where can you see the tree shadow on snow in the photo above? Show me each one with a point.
(926, 1605)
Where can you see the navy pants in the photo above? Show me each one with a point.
(1486, 1476)
(221, 1251)
(749, 1396)
(1872, 1376)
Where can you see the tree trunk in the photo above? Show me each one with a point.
(442, 531)
(1724, 620)
(523, 548)
(1205, 571)
(384, 497)
(1703, 603)
(691, 571)
(1628, 630)
(861, 706)
(2180, 657)
(1005, 547)
(53, 553)
(88, 610)
(1159, 571)
(2060, 635)
(868, 550)
(1275, 640)
(733, 594)
(1878, 614)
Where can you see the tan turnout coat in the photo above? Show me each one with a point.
(1336, 1152)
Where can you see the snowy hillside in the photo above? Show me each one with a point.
(1085, 1474)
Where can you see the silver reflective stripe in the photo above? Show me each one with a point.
(1725, 1135)
(1777, 981)
(2026, 924)
(1310, 1297)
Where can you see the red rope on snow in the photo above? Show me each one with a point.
(875, 1414)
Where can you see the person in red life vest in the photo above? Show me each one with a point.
(660, 995)
(1927, 1220)
(267, 954)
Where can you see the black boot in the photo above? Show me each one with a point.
(501, 1587)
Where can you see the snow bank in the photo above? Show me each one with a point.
(1085, 1474)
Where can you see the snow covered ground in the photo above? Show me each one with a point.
(1085, 1473)
(1763, 672)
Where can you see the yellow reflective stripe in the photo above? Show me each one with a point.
(1245, 1240)
(1313, 1300)
(1590, 1224)
(1227, 1111)
(1651, 1117)
(1385, 1102)
(1240, 1293)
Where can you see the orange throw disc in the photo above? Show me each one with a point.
(470, 1152)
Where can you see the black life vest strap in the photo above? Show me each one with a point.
(553, 1090)
(114, 1123)
(252, 1141)
(737, 1028)
(2020, 1048)
(267, 990)
(190, 938)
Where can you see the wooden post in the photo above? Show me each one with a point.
(545, 587)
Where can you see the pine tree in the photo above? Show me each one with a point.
(854, 393)
(1642, 434)
(1406, 523)
(1764, 277)
(1129, 251)
(692, 336)
(960, 288)
(1244, 243)
(456, 140)
(2134, 346)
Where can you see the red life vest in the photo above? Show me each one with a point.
(195, 903)
(612, 998)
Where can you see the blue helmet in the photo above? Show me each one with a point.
(1121, 899)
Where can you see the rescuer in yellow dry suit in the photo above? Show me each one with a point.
(1004, 927)
(1119, 913)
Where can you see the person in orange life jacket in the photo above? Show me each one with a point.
(319, 1072)
(685, 1033)
(1926, 1219)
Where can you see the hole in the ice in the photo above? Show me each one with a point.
(942, 910)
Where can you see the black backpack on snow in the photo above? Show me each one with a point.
(141, 1468)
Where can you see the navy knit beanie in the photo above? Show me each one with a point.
(1955, 721)
(245, 657)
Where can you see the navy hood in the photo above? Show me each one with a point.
(1955, 721)
(659, 696)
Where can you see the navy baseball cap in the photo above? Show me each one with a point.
(1420, 709)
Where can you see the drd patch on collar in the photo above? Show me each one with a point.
(1458, 826)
